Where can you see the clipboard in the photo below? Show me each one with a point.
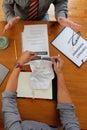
(72, 45)
(3, 72)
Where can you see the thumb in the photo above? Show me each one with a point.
(18, 18)
(61, 19)
(32, 55)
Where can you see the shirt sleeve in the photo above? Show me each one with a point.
(67, 116)
(11, 117)
(8, 8)
(61, 8)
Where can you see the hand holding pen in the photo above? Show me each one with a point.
(57, 64)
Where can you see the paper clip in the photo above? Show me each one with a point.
(33, 94)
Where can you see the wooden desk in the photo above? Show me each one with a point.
(76, 79)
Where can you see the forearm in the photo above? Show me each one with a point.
(61, 8)
(66, 108)
(13, 80)
(64, 102)
(63, 95)
(10, 112)
(8, 10)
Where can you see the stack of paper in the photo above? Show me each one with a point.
(35, 38)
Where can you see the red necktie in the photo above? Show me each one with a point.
(33, 10)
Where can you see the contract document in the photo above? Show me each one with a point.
(35, 38)
(72, 45)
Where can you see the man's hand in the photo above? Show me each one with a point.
(11, 23)
(68, 23)
(57, 64)
(26, 57)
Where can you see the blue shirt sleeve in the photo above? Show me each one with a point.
(12, 120)
(11, 116)
(67, 116)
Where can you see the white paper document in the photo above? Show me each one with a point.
(72, 45)
(35, 38)
(42, 74)
(24, 89)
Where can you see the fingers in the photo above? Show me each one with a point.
(57, 61)
(29, 55)
(32, 55)
(7, 26)
(75, 26)
(66, 22)
(11, 23)
(4, 30)
(26, 57)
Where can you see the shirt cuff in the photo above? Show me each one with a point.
(65, 106)
(61, 14)
(9, 94)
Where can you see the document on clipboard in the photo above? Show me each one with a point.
(72, 45)
(35, 38)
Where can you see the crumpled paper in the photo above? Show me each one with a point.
(42, 74)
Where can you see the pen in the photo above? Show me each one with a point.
(15, 49)
(58, 61)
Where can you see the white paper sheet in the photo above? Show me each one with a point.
(71, 45)
(35, 38)
(42, 74)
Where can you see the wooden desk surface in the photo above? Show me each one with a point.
(76, 79)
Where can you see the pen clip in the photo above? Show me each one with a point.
(85, 58)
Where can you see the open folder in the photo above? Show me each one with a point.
(25, 91)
